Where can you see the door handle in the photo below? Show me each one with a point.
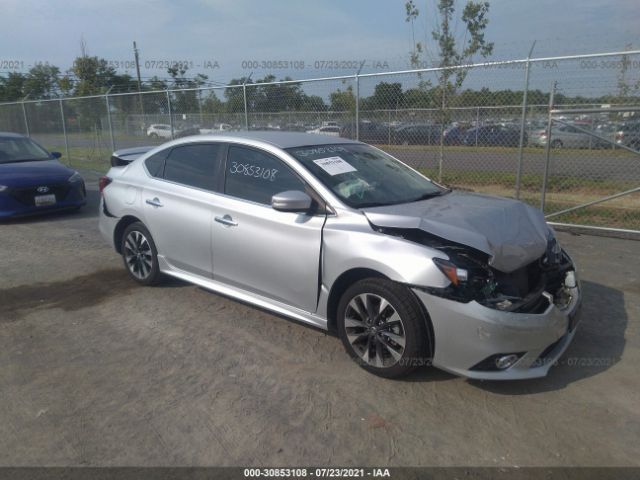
(155, 202)
(227, 221)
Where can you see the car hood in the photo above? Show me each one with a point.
(29, 173)
(512, 233)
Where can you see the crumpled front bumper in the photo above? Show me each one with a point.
(468, 333)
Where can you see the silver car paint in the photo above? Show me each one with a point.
(272, 280)
(512, 233)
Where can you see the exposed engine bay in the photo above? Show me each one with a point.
(525, 289)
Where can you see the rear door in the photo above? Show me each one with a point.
(274, 254)
(179, 202)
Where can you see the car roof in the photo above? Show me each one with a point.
(11, 135)
(282, 139)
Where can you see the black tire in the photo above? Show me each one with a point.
(556, 144)
(412, 329)
(141, 266)
(153, 135)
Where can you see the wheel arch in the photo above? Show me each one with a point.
(348, 278)
(121, 226)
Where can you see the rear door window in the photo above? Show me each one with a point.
(195, 165)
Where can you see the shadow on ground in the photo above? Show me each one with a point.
(73, 294)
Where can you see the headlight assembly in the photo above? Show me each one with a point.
(455, 274)
(76, 177)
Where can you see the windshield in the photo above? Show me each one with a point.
(20, 149)
(362, 176)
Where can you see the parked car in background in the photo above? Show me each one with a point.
(159, 130)
(494, 136)
(566, 136)
(369, 132)
(417, 134)
(220, 127)
(453, 135)
(32, 180)
(186, 132)
(608, 132)
(628, 134)
(342, 236)
(333, 131)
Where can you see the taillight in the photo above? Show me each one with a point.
(103, 182)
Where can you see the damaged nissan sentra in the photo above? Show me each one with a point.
(338, 234)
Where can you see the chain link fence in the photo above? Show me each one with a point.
(560, 133)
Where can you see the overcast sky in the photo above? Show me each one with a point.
(217, 36)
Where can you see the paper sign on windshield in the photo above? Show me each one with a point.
(334, 165)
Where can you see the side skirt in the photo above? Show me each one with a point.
(243, 295)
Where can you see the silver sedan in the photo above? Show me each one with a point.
(342, 236)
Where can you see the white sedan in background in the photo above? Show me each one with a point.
(332, 131)
(159, 130)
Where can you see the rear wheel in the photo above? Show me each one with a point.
(556, 144)
(140, 255)
(382, 327)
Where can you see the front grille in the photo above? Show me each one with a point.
(26, 195)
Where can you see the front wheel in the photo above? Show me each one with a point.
(140, 255)
(382, 327)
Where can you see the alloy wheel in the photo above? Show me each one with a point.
(375, 330)
(138, 255)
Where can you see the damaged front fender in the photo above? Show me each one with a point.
(349, 242)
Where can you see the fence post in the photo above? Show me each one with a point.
(26, 120)
(523, 121)
(246, 110)
(442, 121)
(64, 132)
(113, 143)
(477, 125)
(357, 78)
(170, 112)
(547, 152)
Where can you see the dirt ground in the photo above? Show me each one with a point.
(95, 370)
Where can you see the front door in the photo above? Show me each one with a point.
(259, 249)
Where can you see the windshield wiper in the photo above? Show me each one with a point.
(426, 196)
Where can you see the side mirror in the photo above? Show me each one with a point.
(56, 154)
(291, 201)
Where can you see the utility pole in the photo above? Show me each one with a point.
(135, 53)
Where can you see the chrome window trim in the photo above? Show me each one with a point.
(268, 148)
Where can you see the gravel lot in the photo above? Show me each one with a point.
(95, 370)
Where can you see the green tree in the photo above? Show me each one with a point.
(12, 87)
(42, 81)
(235, 95)
(93, 75)
(451, 51)
(385, 96)
(343, 100)
(186, 100)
